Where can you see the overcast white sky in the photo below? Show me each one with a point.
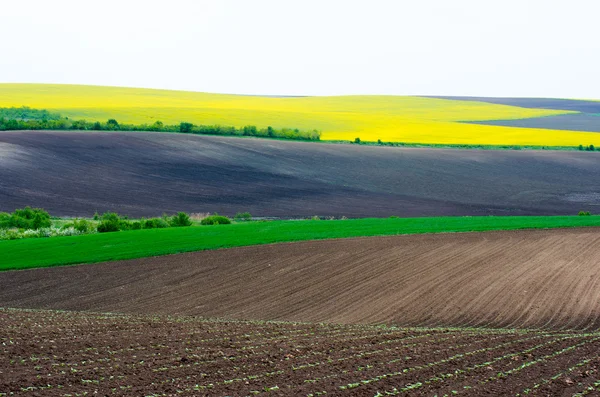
(548, 48)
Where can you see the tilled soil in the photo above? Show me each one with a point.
(576, 105)
(544, 279)
(48, 353)
(146, 174)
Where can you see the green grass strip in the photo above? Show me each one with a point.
(56, 251)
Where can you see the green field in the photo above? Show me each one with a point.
(56, 251)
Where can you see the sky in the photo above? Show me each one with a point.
(538, 48)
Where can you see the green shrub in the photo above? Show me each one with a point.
(136, 225)
(12, 235)
(242, 216)
(107, 226)
(154, 223)
(357, 140)
(83, 226)
(215, 220)
(186, 127)
(4, 220)
(584, 213)
(29, 218)
(112, 125)
(181, 219)
(112, 222)
(250, 130)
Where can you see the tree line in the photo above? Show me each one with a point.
(26, 118)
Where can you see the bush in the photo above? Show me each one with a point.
(107, 226)
(215, 220)
(584, 213)
(10, 235)
(357, 140)
(249, 130)
(27, 218)
(112, 125)
(154, 223)
(186, 127)
(242, 216)
(13, 234)
(83, 226)
(181, 219)
(4, 220)
(112, 222)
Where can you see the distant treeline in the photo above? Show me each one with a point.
(26, 113)
(25, 118)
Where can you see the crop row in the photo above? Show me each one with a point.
(488, 364)
(69, 354)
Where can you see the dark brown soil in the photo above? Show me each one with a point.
(46, 353)
(536, 279)
(146, 174)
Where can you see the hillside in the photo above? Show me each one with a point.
(146, 174)
(522, 279)
(389, 118)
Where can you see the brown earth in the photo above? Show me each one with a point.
(547, 279)
(146, 174)
(45, 353)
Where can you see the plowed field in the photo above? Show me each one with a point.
(75, 354)
(146, 174)
(541, 279)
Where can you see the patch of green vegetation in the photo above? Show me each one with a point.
(26, 113)
(215, 220)
(25, 218)
(31, 253)
(25, 118)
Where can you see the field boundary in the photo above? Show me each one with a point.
(408, 145)
(93, 248)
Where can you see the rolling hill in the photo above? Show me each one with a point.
(146, 174)
(370, 118)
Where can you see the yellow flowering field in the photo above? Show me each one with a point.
(389, 118)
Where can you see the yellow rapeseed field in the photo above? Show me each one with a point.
(389, 118)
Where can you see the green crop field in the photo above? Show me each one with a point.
(368, 117)
(55, 251)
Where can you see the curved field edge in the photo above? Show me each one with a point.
(57, 251)
(146, 174)
(541, 279)
(370, 118)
